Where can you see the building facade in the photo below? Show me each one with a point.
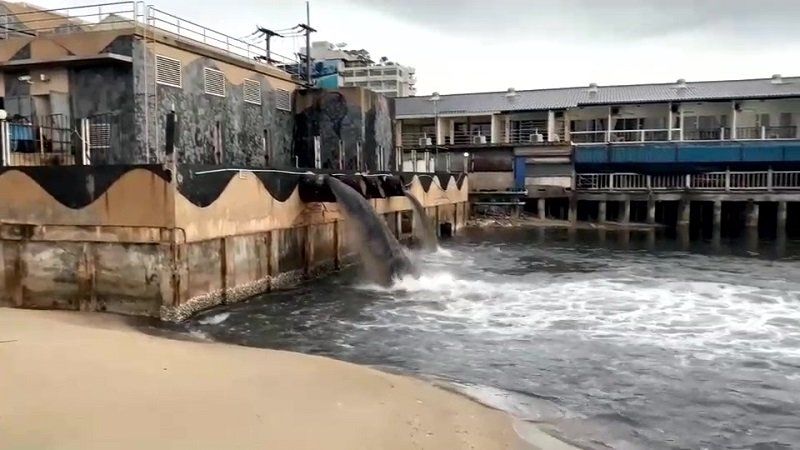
(96, 84)
(335, 66)
(545, 135)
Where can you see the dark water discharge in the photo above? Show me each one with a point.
(621, 343)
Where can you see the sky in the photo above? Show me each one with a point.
(491, 45)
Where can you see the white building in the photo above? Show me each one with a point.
(358, 69)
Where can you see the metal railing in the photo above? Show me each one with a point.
(102, 16)
(418, 139)
(469, 139)
(526, 136)
(170, 23)
(661, 135)
(131, 14)
(768, 180)
(47, 140)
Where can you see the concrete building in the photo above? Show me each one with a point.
(136, 165)
(355, 68)
(723, 141)
(106, 74)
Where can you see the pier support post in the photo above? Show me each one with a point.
(626, 211)
(684, 212)
(651, 210)
(782, 214)
(602, 211)
(573, 210)
(752, 215)
(540, 208)
(716, 231)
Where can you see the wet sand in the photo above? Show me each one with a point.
(91, 381)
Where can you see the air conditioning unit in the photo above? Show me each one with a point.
(478, 139)
(536, 137)
(425, 141)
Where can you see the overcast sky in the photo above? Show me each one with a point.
(482, 45)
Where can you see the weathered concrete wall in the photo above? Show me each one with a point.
(105, 92)
(491, 181)
(344, 119)
(138, 242)
(250, 135)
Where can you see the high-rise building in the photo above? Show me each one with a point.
(335, 66)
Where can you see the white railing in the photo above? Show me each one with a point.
(418, 139)
(709, 181)
(663, 135)
(606, 136)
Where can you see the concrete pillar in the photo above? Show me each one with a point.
(602, 211)
(507, 130)
(573, 209)
(566, 127)
(540, 208)
(551, 126)
(680, 110)
(751, 212)
(624, 238)
(733, 119)
(398, 133)
(608, 126)
(782, 214)
(716, 233)
(440, 130)
(452, 131)
(669, 121)
(684, 212)
(626, 211)
(651, 210)
(495, 129)
(651, 239)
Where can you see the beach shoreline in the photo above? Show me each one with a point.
(91, 380)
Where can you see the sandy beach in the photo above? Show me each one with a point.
(90, 381)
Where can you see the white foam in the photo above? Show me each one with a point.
(216, 319)
(705, 317)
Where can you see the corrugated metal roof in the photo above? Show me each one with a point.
(561, 98)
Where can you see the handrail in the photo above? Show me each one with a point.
(768, 180)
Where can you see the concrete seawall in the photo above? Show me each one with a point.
(132, 240)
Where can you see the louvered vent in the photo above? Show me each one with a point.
(252, 91)
(168, 71)
(283, 100)
(214, 82)
(100, 135)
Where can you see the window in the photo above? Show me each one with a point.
(283, 100)
(252, 91)
(214, 82)
(786, 119)
(168, 71)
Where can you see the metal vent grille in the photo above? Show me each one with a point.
(168, 71)
(252, 91)
(214, 82)
(283, 100)
(99, 135)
